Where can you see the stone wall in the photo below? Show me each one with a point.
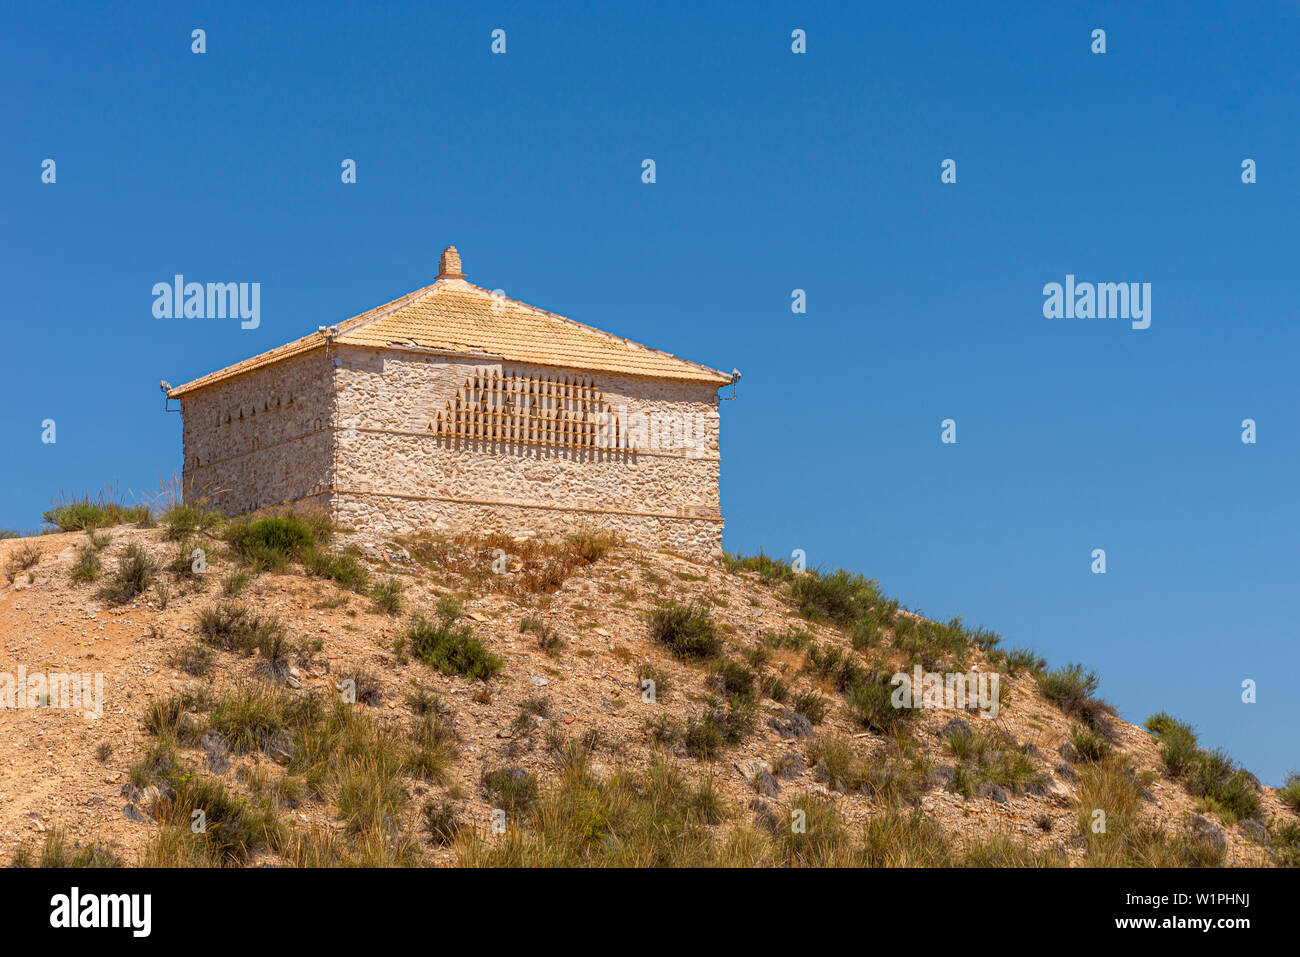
(355, 431)
(262, 438)
(392, 514)
(394, 474)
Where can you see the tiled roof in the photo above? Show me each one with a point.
(455, 316)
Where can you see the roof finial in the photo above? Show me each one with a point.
(449, 264)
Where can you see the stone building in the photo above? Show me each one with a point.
(455, 408)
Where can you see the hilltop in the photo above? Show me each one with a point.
(316, 698)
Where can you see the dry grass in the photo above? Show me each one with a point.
(521, 568)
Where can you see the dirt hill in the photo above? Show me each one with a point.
(227, 695)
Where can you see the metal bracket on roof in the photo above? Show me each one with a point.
(329, 332)
(167, 396)
(735, 377)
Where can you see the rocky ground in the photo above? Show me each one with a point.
(60, 770)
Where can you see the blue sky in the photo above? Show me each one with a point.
(775, 171)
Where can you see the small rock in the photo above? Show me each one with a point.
(280, 748)
(955, 726)
(188, 723)
(539, 681)
(132, 813)
(217, 752)
(1256, 831)
(993, 791)
(767, 818)
(1068, 752)
(1208, 835)
(766, 784)
(1054, 787)
(792, 724)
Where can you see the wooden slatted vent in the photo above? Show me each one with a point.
(566, 412)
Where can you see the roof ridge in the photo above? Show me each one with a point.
(525, 340)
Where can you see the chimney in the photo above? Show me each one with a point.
(449, 264)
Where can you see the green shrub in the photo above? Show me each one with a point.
(234, 627)
(989, 758)
(839, 597)
(687, 630)
(1088, 743)
(88, 566)
(773, 687)
(792, 638)
(1161, 724)
(387, 596)
(1071, 688)
(703, 737)
(441, 823)
(1210, 775)
(183, 521)
(1213, 775)
(450, 647)
(342, 567)
(512, 789)
(233, 830)
(1285, 837)
(731, 678)
(56, 853)
(811, 705)
(1289, 792)
(251, 717)
(233, 585)
(834, 665)
(719, 727)
(871, 705)
(132, 577)
(548, 639)
(864, 634)
(839, 764)
(83, 515)
(267, 544)
(769, 569)
(195, 660)
(1178, 747)
(1022, 659)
